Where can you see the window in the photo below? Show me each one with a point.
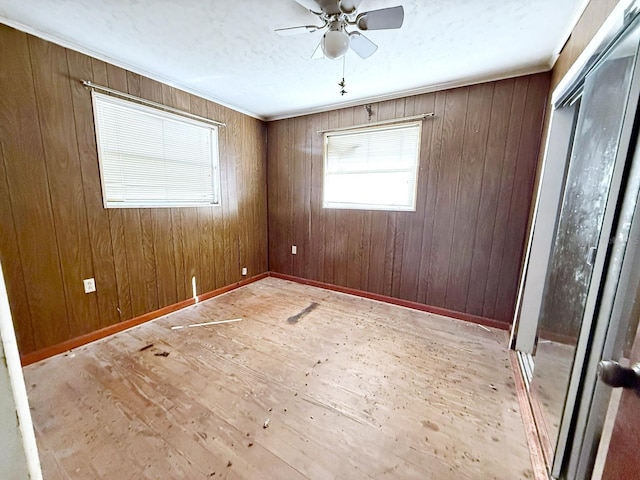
(373, 168)
(151, 158)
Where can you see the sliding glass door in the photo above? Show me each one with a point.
(581, 246)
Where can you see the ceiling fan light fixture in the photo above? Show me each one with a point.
(335, 44)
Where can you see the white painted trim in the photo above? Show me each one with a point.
(598, 39)
(18, 389)
(415, 91)
(92, 53)
(543, 231)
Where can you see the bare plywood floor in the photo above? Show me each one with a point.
(352, 389)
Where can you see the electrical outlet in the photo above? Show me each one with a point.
(294, 250)
(89, 285)
(244, 270)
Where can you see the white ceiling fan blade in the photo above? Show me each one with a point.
(361, 45)
(383, 19)
(318, 53)
(349, 6)
(289, 31)
(310, 5)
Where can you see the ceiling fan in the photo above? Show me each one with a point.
(338, 16)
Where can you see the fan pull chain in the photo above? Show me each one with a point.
(343, 84)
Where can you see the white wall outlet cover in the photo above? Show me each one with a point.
(294, 249)
(89, 285)
(244, 270)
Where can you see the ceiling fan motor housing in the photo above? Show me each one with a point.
(336, 16)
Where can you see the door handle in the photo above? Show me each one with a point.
(615, 375)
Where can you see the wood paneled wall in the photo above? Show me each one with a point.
(55, 231)
(462, 248)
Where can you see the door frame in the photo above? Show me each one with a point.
(544, 225)
(551, 187)
(574, 430)
(16, 434)
(552, 175)
(597, 309)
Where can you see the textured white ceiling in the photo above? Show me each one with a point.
(226, 50)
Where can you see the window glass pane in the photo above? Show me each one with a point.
(371, 189)
(373, 168)
(153, 158)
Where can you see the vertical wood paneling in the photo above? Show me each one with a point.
(434, 165)
(190, 253)
(316, 244)
(142, 226)
(12, 267)
(386, 111)
(55, 231)
(274, 215)
(9, 247)
(53, 96)
(179, 247)
(407, 105)
(205, 270)
(296, 215)
(150, 290)
(468, 195)
(184, 220)
(380, 261)
(341, 245)
(80, 68)
(500, 234)
(116, 78)
(445, 207)
(132, 234)
(359, 230)
(244, 212)
(260, 198)
(323, 123)
(354, 228)
(165, 259)
(214, 112)
(305, 265)
(131, 218)
(308, 220)
(488, 205)
(229, 149)
(161, 226)
(170, 98)
(300, 192)
(29, 198)
(461, 248)
(330, 259)
(413, 239)
(258, 222)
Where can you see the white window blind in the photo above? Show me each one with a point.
(151, 158)
(375, 168)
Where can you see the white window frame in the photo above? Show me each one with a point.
(147, 110)
(372, 130)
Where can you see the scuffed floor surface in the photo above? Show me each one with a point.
(310, 384)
